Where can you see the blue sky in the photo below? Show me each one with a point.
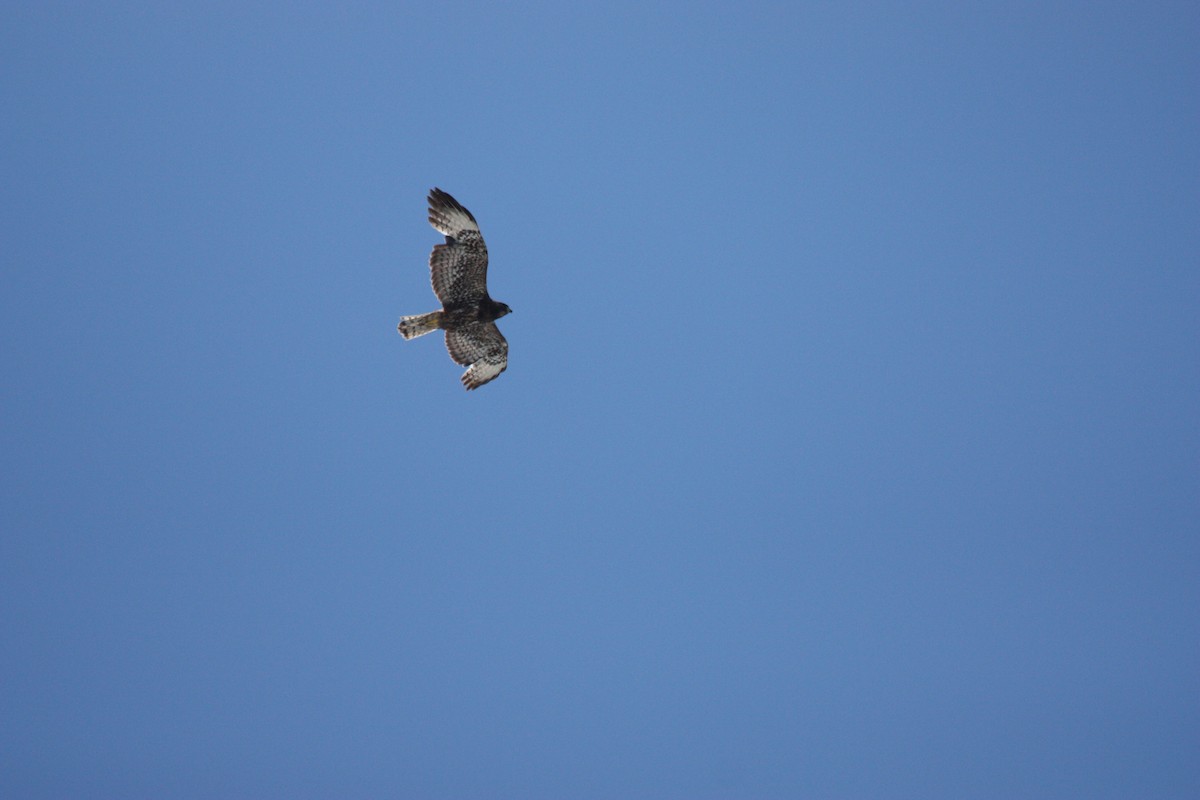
(849, 445)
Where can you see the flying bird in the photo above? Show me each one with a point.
(458, 271)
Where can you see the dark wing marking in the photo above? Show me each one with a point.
(458, 272)
(481, 347)
(458, 268)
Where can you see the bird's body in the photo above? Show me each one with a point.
(458, 270)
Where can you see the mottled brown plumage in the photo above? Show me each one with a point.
(458, 271)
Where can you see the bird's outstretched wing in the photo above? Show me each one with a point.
(482, 348)
(458, 268)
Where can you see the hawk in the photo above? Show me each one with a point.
(459, 273)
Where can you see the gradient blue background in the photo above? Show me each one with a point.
(850, 443)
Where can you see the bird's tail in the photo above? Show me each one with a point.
(421, 324)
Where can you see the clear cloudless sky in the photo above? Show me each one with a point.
(849, 445)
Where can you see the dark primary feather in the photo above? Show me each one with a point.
(442, 206)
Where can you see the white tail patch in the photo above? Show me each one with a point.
(419, 325)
